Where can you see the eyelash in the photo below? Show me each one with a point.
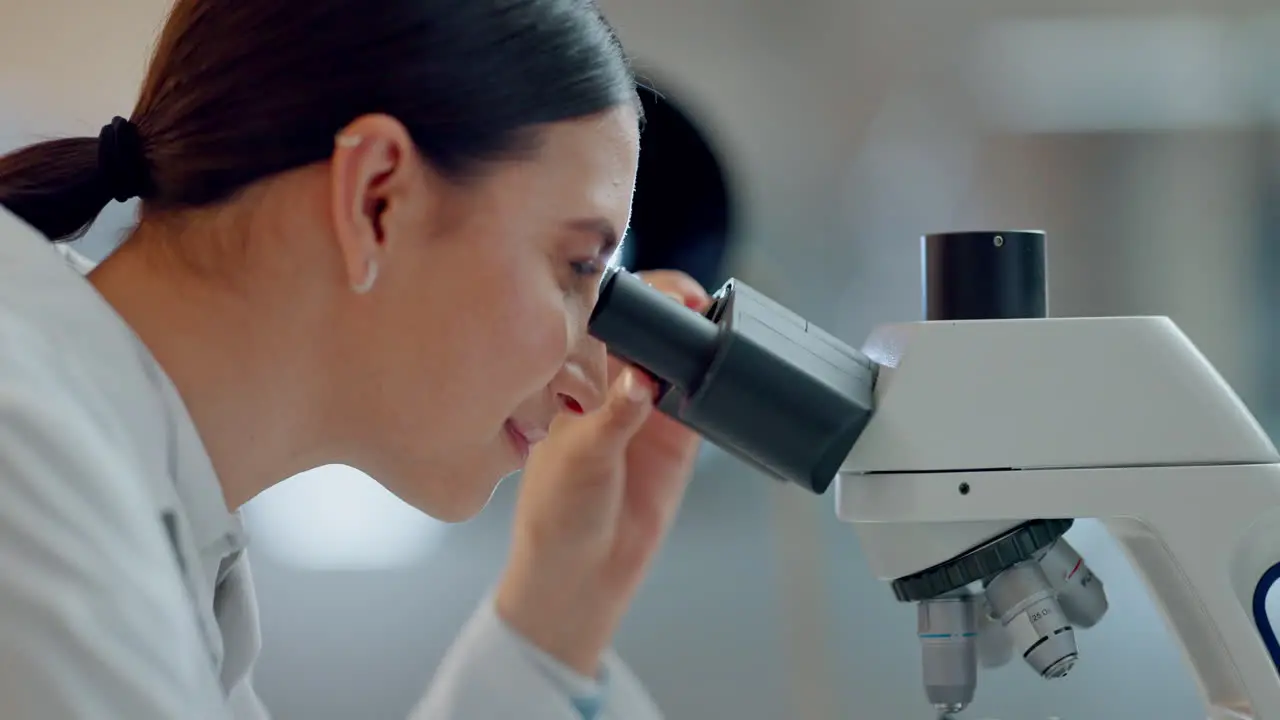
(586, 268)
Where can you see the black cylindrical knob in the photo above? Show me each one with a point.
(994, 275)
(651, 330)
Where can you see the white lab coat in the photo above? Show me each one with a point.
(125, 590)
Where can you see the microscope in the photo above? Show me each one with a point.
(962, 448)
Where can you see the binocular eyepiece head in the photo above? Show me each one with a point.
(749, 375)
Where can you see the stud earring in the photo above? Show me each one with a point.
(349, 141)
(370, 277)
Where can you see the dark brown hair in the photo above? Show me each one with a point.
(240, 90)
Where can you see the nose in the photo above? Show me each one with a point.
(580, 385)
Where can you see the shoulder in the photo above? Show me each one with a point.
(76, 401)
(60, 341)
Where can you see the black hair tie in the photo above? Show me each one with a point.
(121, 161)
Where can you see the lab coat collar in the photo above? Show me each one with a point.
(218, 532)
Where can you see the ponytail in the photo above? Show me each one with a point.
(60, 187)
(55, 186)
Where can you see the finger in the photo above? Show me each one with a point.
(678, 285)
(615, 367)
(696, 302)
(628, 405)
(672, 279)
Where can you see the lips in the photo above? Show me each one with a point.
(533, 435)
(523, 438)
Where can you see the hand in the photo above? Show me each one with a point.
(597, 497)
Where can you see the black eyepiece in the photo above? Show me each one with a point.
(652, 330)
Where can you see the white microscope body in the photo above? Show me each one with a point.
(983, 425)
(964, 446)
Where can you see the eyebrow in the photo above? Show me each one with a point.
(609, 236)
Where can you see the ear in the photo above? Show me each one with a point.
(372, 170)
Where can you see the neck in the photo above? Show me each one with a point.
(242, 373)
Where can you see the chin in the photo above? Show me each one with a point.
(453, 488)
(461, 502)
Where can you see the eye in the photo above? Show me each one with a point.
(587, 268)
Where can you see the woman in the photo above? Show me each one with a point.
(370, 233)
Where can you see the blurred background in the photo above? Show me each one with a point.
(805, 146)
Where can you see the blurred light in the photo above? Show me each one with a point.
(337, 518)
(1086, 74)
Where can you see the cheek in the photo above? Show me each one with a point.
(520, 334)
(535, 339)
(491, 334)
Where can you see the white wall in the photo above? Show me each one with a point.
(848, 133)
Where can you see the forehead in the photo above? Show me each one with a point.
(585, 166)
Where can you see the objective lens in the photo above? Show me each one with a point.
(995, 647)
(1080, 592)
(948, 653)
(1024, 601)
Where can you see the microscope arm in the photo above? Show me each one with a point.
(1119, 419)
